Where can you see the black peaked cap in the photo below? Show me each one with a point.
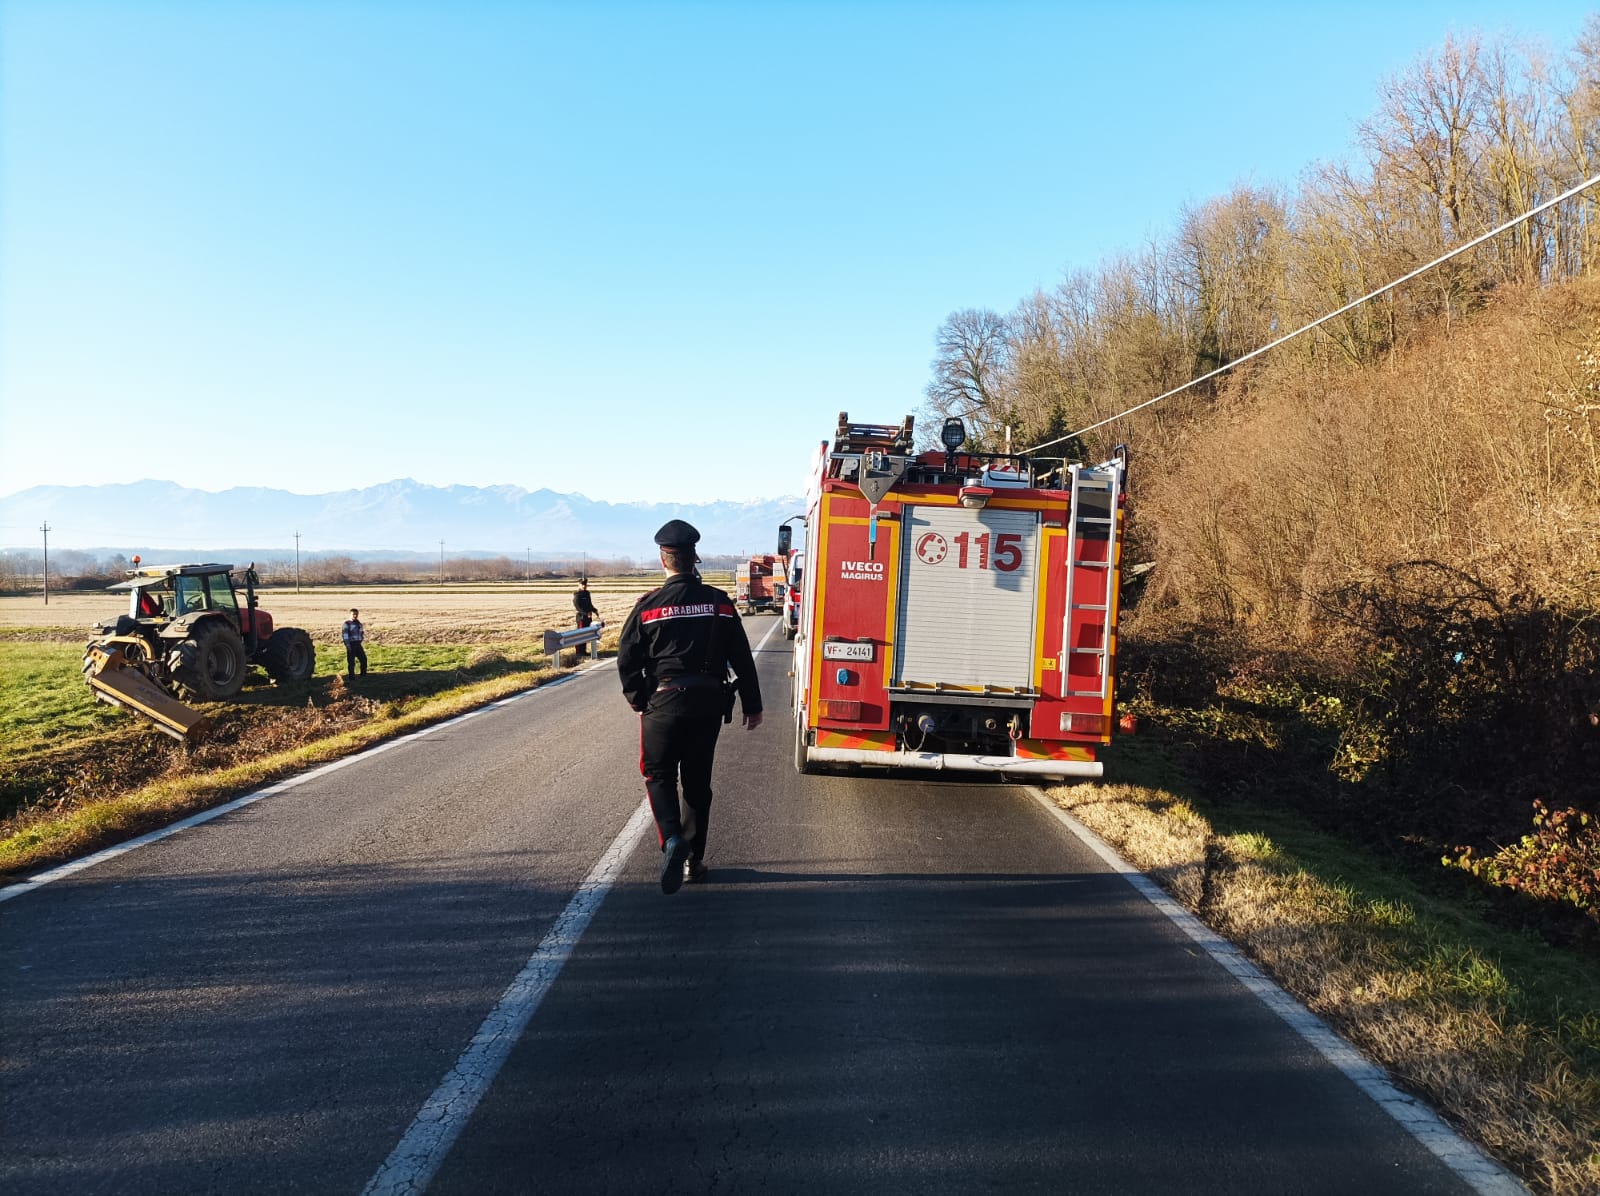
(675, 533)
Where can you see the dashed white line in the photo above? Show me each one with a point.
(1481, 1173)
(414, 1161)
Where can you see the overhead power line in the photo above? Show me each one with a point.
(1354, 303)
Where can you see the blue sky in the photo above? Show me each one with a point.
(639, 251)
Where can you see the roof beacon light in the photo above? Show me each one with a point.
(954, 433)
(976, 496)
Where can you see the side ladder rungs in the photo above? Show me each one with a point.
(1091, 606)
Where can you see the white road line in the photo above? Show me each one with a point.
(63, 871)
(761, 647)
(1481, 1173)
(412, 1164)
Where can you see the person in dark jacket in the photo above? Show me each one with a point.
(677, 647)
(583, 604)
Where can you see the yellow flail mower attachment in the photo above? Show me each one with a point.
(118, 680)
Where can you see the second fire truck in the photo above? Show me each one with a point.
(959, 610)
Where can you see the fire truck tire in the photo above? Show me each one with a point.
(289, 655)
(788, 633)
(210, 665)
(801, 764)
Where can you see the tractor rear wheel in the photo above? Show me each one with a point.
(289, 655)
(210, 665)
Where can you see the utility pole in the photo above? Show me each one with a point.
(45, 528)
(585, 572)
(297, 561)
(441, 562)
(527, 572)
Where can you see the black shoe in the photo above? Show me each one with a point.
(677, 851)
(697, 871)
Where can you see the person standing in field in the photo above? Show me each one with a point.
(354, 636)
(583, 604)
(676, 649)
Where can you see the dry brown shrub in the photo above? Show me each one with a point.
(1479, 447)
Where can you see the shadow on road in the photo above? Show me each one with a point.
(783, 1028)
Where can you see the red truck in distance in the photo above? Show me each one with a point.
(758, 584)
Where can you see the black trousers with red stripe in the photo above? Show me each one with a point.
(678, 738)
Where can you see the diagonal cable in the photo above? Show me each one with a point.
(1354, 303)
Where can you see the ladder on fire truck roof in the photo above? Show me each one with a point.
(872, 438)
(1100, 575)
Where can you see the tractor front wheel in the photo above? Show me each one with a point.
(210, 665)
(289, 655)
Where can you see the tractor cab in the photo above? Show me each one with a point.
(161, 594)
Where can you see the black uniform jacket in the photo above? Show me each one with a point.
(583, 602)
(668, 636)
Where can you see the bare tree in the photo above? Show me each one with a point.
(971, 361)
(1229, 273)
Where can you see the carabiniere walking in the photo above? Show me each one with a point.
(678, 646)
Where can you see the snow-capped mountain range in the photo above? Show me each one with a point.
(402, 516)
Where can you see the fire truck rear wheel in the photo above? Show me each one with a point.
(210, 665)
(801, 764)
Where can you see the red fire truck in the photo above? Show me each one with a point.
(794, 573)
(959, 610)
(753, 586)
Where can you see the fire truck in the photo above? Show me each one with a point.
(753, 586)
(959, 610)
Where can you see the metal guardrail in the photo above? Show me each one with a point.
(556, 642)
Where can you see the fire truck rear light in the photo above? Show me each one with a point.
(1084, 724)
(840, 708)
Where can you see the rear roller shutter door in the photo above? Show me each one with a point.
(968, 581)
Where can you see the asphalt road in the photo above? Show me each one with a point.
(887, 985)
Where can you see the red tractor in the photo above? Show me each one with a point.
(187, 634)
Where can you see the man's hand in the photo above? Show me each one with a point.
(752, 721)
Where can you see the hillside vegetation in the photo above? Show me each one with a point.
(1376, 593)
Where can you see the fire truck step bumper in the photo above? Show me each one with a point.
(939, 761)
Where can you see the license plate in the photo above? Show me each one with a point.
(847, 651)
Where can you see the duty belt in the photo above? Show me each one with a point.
(688, 681)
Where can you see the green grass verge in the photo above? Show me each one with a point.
(43, 697)
(410, 687)
(44, 700)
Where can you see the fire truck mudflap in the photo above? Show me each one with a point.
(959, 610)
